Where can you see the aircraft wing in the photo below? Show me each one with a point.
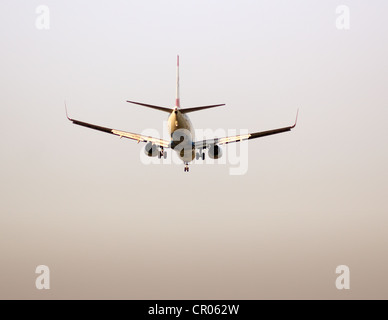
(219, 141)
(123, 134)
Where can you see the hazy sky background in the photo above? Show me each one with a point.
(108, 226)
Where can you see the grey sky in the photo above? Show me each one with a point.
(108, 226)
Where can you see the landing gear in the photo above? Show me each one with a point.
(162, 153)
(186, 167)
(200, 154)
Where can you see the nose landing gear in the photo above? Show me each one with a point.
(186, 167)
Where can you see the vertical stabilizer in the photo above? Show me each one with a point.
(177, 100)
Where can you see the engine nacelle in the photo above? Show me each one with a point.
(215, 151)
(151, 150)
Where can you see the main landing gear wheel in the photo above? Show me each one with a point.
(200, 155)
(162, 154)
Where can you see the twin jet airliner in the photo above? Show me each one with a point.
(182, 135)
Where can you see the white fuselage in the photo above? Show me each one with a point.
(182, 135)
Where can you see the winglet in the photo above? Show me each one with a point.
(296, 119)
(67, 116)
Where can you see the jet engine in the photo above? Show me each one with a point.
(151, 150)
(215, 151)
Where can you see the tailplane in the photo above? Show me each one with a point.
(169, 110)
(187, 110)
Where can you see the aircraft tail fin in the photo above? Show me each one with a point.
(177, 99)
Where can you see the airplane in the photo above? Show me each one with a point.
(182, 133)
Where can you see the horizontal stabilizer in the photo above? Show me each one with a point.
(187, 110)
(169, 110)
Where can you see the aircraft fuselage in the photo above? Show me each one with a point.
(182, 135)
